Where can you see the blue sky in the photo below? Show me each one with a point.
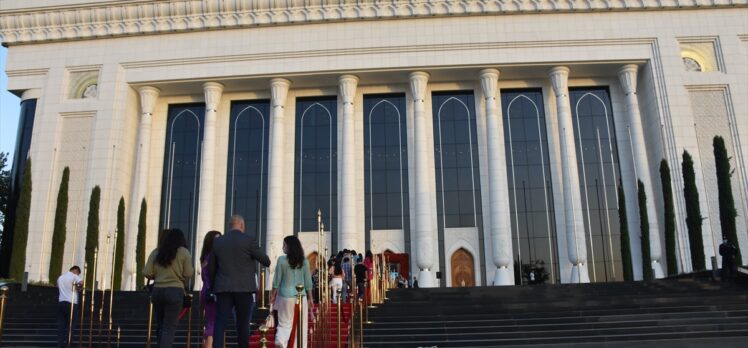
(9, 109)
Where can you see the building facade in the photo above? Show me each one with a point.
(474, 136)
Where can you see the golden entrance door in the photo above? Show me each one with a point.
(463, 269)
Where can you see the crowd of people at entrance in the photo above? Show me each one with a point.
(228, 270)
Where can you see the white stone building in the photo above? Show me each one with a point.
(472, 135)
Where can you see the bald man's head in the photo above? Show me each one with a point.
(236, 222)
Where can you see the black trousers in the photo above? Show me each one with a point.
(63, 323)
(241, 303)
(167, 303)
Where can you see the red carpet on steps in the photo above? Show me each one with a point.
(330, 333)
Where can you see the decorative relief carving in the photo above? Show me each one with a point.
(129, 18)
(83, 85)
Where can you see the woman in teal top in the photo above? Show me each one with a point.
(290, 270)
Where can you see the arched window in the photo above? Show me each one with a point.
(181, 179)
(316, 165)
(247, 174)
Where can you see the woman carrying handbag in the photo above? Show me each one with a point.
(169, 266)
(291, 269)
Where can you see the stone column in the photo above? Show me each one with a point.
(500, 224)
(627, 77)
(205, 223)
(425, 231)
(348, 233)
(148, 98)
(273, 246)
(576, 243)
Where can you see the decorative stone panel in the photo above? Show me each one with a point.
(83, 84)
(700, 55)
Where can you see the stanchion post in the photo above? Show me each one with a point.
(93, 298)
(150, 323)
(82, 306)
(340, 311)
(300, 328)
(189, 324)
(361, 324)
(263, 335)
(3, 299)
(72, 310)
(111, 289)
(119, 336)
(262, 289)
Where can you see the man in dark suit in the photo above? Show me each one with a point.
(232, 268)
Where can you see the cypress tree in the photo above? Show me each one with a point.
(628, 271)
(21, 228)
(92, 234)
(119, 245)
(667, 194)
(59, 234)
(140, 248)
(644, 224)
(693, 213)
(727, 212)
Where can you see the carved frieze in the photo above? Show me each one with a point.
(121, 18)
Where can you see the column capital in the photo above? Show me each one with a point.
(33, 93)
(347, 86)
(559, 80)
(489, 81)
(148, 97)
(279, 91)
(418, 83)
(212, 91)
(627, 77)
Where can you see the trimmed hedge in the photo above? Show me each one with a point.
(628, 269)
(140, 248)
(727, 212)
(21, 228)
(92, 234)
(644, 224)
(59, 234)
(119, 245)
(693, 214)
(667, 194)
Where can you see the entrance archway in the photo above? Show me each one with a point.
(463, 268)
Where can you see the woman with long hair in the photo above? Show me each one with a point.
(291, 269)
(336, 282)
(206, 300)
(169, 265)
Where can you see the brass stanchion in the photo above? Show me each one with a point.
(101, 318)
(150, 323)
(111, 291)
(262, 289)
(368, 288)
(72, 310)
(300, 327)
(263, 335)
(93, 298)
(361, 324)
(189, 323)
(340, 311)
(3, 298)
(119, 336)
(82, 306)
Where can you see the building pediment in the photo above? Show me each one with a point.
(35, 21)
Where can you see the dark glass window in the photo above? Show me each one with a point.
(529, 181)
(385, 162)
(247, 174)
(597, 160)
(456, 162)
(23, 141)
(181, 180)
(316, 164)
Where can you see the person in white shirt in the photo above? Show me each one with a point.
(68, 295)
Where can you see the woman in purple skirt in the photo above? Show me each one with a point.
(206, 299)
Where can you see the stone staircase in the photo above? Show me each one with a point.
(632, 314)
(665, 313)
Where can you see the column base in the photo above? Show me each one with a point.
(579, 274)
(426, 279)
(657, 270)
(503, 277)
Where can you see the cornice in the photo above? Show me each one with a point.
(124, 18)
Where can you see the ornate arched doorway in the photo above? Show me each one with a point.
(463, 268)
